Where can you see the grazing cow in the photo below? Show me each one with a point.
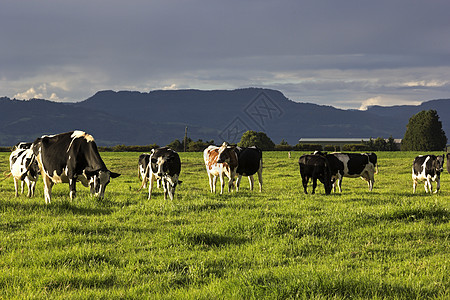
(374, 160)
(144, 159)
(249, 163)
(165, 165)
(427, 168)
(448, 159)
(350, 165)
(70, 157)
(24, 168)
(219, 161)
(315, 167)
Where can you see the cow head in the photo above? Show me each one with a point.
(98, 180)
(439, 164)
(167, 167)
(226, 154)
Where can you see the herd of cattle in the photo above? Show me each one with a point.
(73, 156)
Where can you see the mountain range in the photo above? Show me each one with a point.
(136, 118)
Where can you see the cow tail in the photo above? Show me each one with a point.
(24, 174)
(144, 177)
(6, 175)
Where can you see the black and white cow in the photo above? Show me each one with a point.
(144, 159)
(427, 168)
(70, 157)
(350, 165)
(24, 168)
(374, 160)
(249, 163)
(315, 167)
(165, 165)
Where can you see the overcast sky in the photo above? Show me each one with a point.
(347, 53)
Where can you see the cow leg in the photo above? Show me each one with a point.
(48, 184)
(427, 185)
(222, 183)
(73, 188)
(16, 187)
(22, 185)
(339, 183)
(251, 182)
(28, 182)
(260, 180)
(414, 185)
(165, 184)
(438, 185)
(314, 182)
(33, 188)
(150, 186)
(238, 182)
(305, 184)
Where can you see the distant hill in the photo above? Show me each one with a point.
(134, 118)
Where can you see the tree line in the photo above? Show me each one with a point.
(423, 133)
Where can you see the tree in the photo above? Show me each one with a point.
(258, 139)
(424, 133)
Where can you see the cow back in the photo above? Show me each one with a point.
(249, 160)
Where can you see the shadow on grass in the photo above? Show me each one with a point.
(212, 239)
(434, 215)
(56, 207)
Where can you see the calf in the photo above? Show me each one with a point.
(70, 157)
(24, 168)
(165, 165)
(220, 161)
(249, 163)
(427, 168)
(315, 167)
(350, 165)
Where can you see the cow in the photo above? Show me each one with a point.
(24, 168)
(220, 161)
(374, 160)
(350, 165)
(249, 163)
(164, 165)
(427, 168)
(315, 167)
(144, 159)
(70, 157)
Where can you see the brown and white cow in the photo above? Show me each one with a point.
(220, 161)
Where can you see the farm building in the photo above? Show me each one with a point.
(337, 143)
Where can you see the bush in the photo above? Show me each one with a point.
(355, 147)
(308, 147)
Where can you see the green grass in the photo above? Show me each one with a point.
(385, 244)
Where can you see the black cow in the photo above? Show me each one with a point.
(315, 167)
(164, 165)
(427, 168)
(249, 163)
(351, 165)
(70, 157)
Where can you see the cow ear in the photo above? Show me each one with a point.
(113, 175)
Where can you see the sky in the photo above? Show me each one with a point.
(345, 53)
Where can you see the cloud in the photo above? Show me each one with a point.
(29, 94)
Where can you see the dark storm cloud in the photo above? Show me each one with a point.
(331, 52)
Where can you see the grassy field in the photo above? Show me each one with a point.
(278, 244)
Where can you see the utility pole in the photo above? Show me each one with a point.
(185, 138)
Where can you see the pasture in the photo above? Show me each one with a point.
(278, 244)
